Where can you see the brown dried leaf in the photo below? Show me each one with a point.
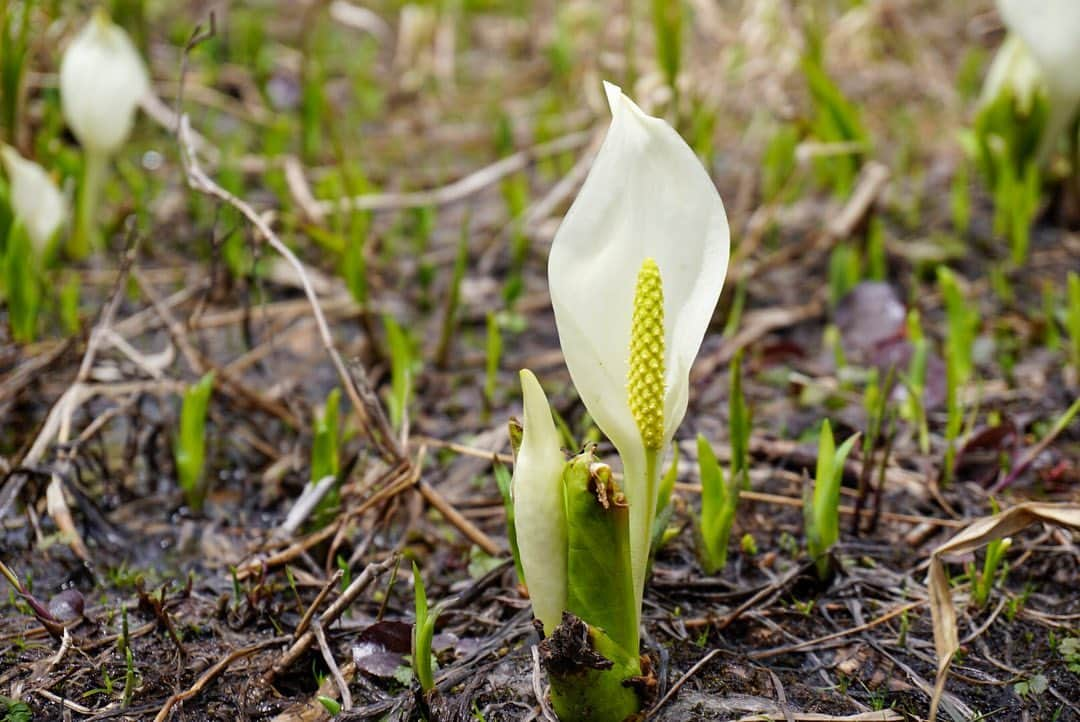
(979, 533)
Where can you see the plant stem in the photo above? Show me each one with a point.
(85, 238)
(642, 512)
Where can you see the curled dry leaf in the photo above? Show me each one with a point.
(978, 534)
(381, 648)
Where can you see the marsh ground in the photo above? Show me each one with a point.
(466, 129)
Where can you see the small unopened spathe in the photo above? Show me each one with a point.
(35, 199)
(102, 80)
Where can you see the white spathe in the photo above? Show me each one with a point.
(647, 195)
(35, 199)
(1014, 69)
(1050, 30)
(539, 512)
(102, 80)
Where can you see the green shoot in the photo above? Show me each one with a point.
(739, 419)
(719, 500)
(453, 298)
(963, 325)
(720, 496)
(422, 635)
(324, 447)
(836, 122)
(954, 418)
(1005, 142)
(983, 583)
(915, 380)
(960, 198)
(877, 262)
(502, 480)
(667, 20)
(1051, 335)
(493, 355)
(68, 302)
(401, 371)
(190, 446)
(325, 460)
(21, 284)
(331, 705)
(353, 258)
(821, 505)
(731, 326)
(14, 30)
(843, 271)
(778, 163)
(1072, 318)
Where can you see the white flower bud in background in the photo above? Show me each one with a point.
(35, 199)
(1050, 31)
(102, 80)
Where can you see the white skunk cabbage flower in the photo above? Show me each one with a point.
(635, 272)
(102, 80)
(539, 511)
(35, 199)
(1050, 30)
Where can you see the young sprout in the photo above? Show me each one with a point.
(493, 355)
(401, 371)
(503, 480)
(422, 634)
(190, 446)
(324, 447)
(14, 43)
(35, 199)
(915, 379)
(963, 325)
(836, 122)
(1072, 318)
(982, 583)
(102, 80)
(821, 505)
(667, 21)
(21, 283)
(719, 500)
(720, 496)
(325, 462)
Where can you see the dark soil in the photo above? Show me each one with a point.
(229, 587)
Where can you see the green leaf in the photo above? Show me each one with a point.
(493, 354)
(667, 19)
(502, 480)
(1072, 317)
(822, 518)
(324, 448)
(331, 705)
(600, 586)
(713, 491)
(401, 370)
(14, 710)
(22, 284)
(739, 415)
(190, 446)
(423, 632)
